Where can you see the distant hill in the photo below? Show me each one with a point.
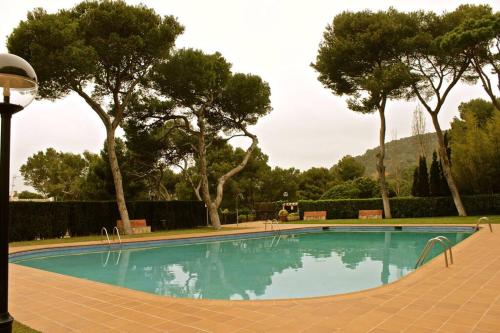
(404, 152)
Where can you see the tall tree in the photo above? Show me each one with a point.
(279, 180)
(476, 147)
(435, 177)
(420, 186)
(415, 188)
(418, 129)
(478, 38)
(98, 183)
(358, 57)
(100, 50)
(348, 168)
(437, 70)
(209, 100)
(314, 182)
(56, 174)
(153, 150)
(443, 185)
(423, 176)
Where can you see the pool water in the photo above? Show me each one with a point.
(272, 267)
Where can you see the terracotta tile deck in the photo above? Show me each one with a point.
(462, 298)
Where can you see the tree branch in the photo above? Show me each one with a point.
(94, 105)
(237, 169)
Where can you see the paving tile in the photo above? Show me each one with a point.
(462, 298)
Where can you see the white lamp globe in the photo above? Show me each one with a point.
(18, 81)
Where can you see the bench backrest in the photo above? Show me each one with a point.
(133, 224)
(371, 214)
(315, 215)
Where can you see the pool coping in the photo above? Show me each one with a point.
(290, 231)
(408, 280)
(144, 243)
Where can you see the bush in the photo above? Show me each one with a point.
(228, 217)
(404, 207)
(361, 187)
(283, 212)
(31, 220)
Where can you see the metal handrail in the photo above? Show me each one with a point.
(445, 243)
(481, 219)
(425, 252)
(117, 234)
(449, 244)
(104, 231)
(272, 223)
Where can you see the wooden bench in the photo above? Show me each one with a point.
(138, 226)
(319, 215)
(370, 214)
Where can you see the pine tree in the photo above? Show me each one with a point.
(423, 176)
(435, 177)
(445, 190)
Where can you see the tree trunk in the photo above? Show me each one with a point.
(117, 179)
(205, 191)
(213, 213)
(447, 167)
(380, 164)
(235, 170)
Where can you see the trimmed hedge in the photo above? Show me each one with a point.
(244, 216)
(29, 220)
(404, 207)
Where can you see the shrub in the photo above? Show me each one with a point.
(361, 187)
(31, 220)
(283, 212)
(404, 207)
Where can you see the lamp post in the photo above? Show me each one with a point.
(19, 84)
(238, 196)
(285, 197)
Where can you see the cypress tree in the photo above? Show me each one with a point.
(423, 176)
(415, 185)
(444, 190)
(435, 177)
(447, 139)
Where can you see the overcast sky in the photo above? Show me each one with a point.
(275, 39)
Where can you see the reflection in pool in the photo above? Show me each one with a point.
(286, 266)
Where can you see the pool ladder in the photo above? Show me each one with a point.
(483, 219)
(445, 243)
(104, 232)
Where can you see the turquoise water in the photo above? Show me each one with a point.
(290, 266)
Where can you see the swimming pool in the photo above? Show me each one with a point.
(300, 263)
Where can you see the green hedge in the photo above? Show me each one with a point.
(404, 207)
(29, 220)
(243, 216)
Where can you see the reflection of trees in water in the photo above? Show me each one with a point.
(242, 268)
(238, 268)
(214, 270)
(400, 249)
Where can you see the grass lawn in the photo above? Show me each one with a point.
(419, 220)
(20, 328)
(98, 237)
